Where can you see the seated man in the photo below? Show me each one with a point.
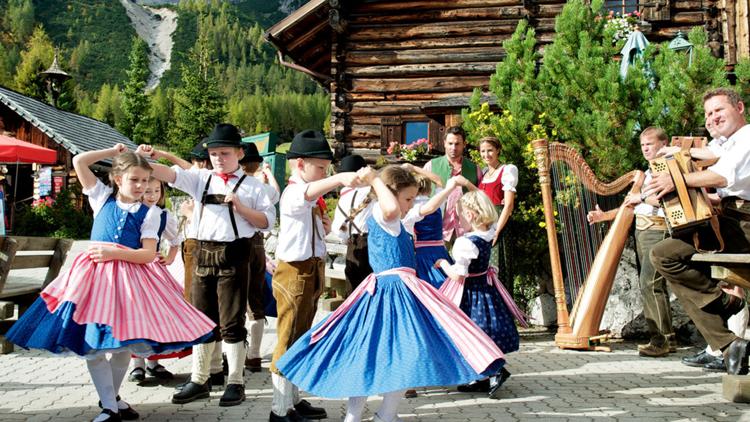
(703, 299)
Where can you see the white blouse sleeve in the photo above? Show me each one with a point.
(391, 227)
(412, 217)
(98, 195)
(171, 233)
(150, 226)
(464, 251)
(510, 178)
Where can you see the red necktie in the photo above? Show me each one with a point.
(225, 176)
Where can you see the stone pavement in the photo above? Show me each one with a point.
(547, 384)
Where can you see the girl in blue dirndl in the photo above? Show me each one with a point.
(395, 331)
(115, 299)
(472, 284)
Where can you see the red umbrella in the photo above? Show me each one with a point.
(13, 150)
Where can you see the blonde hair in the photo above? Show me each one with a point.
(424, 185)
(396, 178)
(124, 162)
(479, 203)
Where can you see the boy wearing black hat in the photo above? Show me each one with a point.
(230, 211)
(350, 223)
(298, 280)
(250, 163)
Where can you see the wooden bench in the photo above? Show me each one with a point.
(19, 253)
(733, 269)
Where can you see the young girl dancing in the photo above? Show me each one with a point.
(91, 309)
(403, 332)
(170, 237)
(473, 285)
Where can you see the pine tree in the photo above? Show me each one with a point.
(135, 116)
(34, 60)
(18, 19)
(198, 104)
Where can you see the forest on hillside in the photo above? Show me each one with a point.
(221, 69)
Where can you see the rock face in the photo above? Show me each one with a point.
(623, 314)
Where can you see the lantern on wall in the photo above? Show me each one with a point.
(679, 43)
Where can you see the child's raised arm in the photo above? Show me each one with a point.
(83, 161)
(183, 164)
(323, 186)
(437, 200)
(161, 172)
(386, 199)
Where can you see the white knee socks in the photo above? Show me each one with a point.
(119, 364)
(388, 411)
(354, 408)
(101, 375)
(202, 362)
(139, 363)
(236, 361)
(255, 329)
(283, 395)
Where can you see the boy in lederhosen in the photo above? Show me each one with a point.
(230, 210)
(350, 223)
(299, 277)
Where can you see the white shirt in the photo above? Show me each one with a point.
(734, 165)
(348, 200)
(509, 180)
(645, 209)
(215, 224)
(98, 196)
(464, 250)
(295, 226)
(716, 146)
(394, 227)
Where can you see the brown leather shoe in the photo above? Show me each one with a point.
(410, 394)
(653, 351)
(253, 365)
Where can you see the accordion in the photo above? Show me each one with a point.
(686, 208)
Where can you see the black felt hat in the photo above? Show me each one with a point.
(310, 144)
(224, 135)
(352, 162)
(251, 153)
(199, 152)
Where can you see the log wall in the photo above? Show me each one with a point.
(390, 58)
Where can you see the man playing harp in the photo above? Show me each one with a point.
(650, 229)
(707, 304)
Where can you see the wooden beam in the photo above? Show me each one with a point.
(386, 108)
(476, 41)
(397, 6)
(393, 96)
(743, 30)
(431, 30)
(689, 18)
(444, 15)
(446, 55)
(307, 36)
(437, 84)
(425, 69)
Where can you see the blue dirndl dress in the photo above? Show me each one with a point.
(394, 332)
(112, 306)
(482, 302)
(431, 248)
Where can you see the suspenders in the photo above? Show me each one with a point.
(348, 218)
(218, 199)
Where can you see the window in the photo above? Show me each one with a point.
(415, 130)
(621, 6)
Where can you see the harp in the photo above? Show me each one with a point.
(587, 263)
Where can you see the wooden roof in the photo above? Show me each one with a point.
(74, 132)
(305, 37)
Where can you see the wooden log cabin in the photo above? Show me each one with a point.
(402, 70)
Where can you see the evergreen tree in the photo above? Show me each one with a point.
(108, 108)
(198, 104)
(34, 60)
(134, 123)
(18, 19)
(742, 71)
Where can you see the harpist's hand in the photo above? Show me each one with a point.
(596, 215)
(660, 185)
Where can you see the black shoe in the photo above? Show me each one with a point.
(307, 411)
(253, 365)
(496, 382)
(216, 380)
(234, 394)
(128, 414)
(137, 375)
(481, 386)
(716, 365)
(159, 372)
(191, 392)
(698, 360)
(113, 417)
(291, 416)
(410, 394)
(737, 357)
